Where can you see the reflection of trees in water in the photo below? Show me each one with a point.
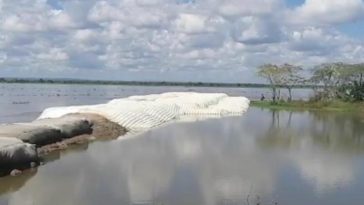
(322, 145)
(341, 130)
(280, 132)
(332, 130)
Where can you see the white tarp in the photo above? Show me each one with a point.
(142, 112)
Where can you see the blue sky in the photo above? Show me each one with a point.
(294, 3)
(353, 29)
(175, 40)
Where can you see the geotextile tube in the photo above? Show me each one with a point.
(144, 112)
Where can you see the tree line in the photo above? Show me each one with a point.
(132, 83)
(329, 81)
(137, 83)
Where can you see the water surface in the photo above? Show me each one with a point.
(264, 156)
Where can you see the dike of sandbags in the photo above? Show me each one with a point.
(22, 144)
(47, 131)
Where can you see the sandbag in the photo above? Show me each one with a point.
(42, 136)
(69, 125)
(16, 156)
(38, 135)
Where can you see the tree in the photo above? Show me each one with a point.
(352, 85)
(286, 76)
(340, 80)
(272, 73)
(290, 77)
(327, 75)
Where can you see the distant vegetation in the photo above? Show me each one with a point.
(138, 83)
(336, 84)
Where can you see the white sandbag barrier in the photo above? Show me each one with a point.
(143, 112)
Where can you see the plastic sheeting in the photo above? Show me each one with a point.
(143, 112)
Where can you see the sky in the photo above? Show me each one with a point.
(175, 40)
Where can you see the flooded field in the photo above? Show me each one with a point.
(263, 157)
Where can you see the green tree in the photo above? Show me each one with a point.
(278, 76)
(290, 77)
(340, 80)
(273, 74)
(352, 85)
(327, 75)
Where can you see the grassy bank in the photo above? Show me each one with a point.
(306, 105)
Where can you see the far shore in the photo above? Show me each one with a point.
(138, 83)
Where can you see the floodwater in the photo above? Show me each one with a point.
(263, 157)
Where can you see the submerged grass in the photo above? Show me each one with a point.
(335, 105)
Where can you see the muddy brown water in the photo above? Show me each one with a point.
(264, 156)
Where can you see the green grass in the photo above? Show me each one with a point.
(307, 105)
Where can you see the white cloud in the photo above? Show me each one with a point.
(60, 20)
(252, 30)
(191, 23)
(3, 57)
(103, 11)
(54, 54)
(234, 8)
(327, 11)
(84, 35)
(315, 40)
(23, 23)
(188, 40)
